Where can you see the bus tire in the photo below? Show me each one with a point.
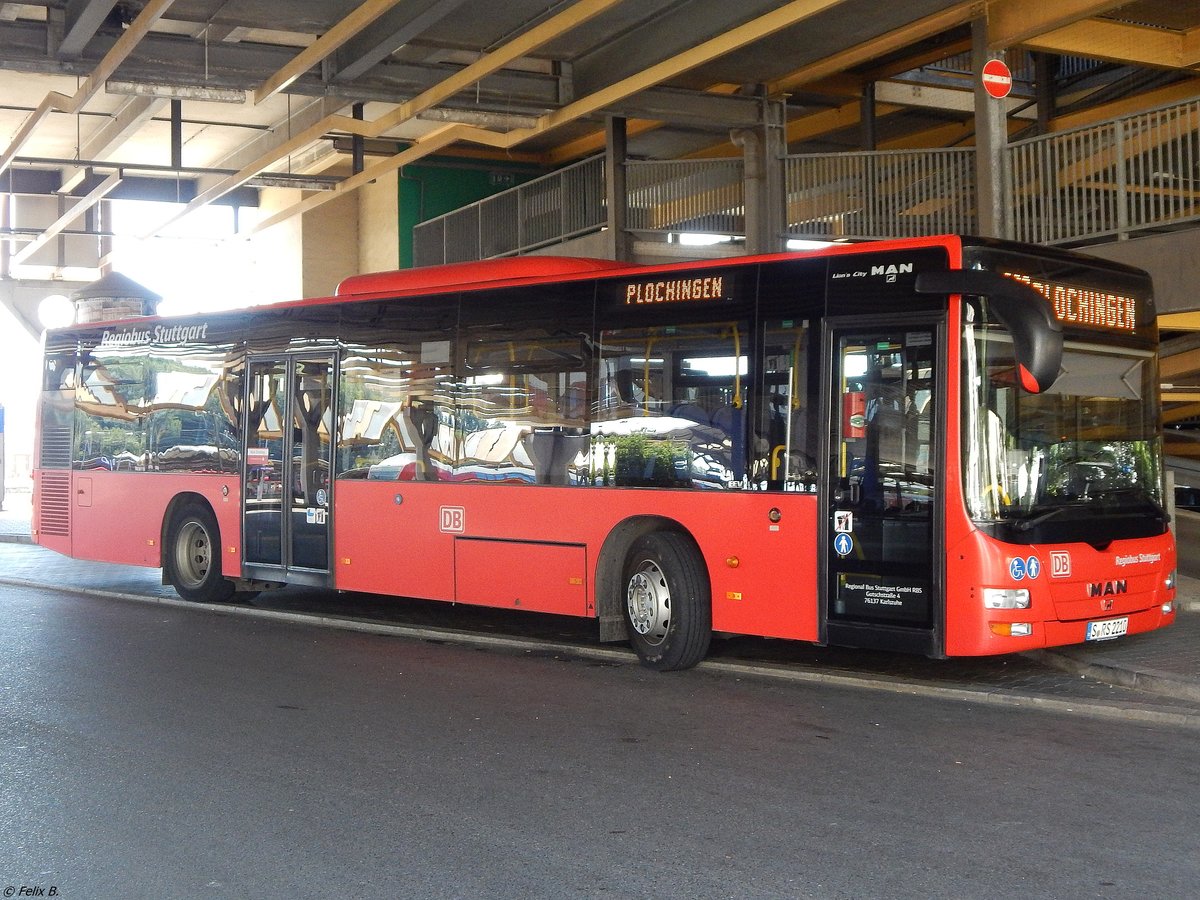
(668, 602)
(193, 559)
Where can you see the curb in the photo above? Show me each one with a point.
(1150, 715)
(1152, 681)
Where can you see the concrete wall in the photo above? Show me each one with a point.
(330, 245)
(378, 225)
(1173, 261)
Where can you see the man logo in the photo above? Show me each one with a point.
(1107, 588)
(891, 271)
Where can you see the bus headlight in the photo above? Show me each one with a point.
(1172, 577)
(1005, 598)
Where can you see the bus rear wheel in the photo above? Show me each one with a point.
(193, 559)
(668, 606)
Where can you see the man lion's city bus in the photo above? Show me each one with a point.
(943, 446)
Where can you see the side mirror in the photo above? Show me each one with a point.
(1037, 334)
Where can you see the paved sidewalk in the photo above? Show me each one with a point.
(15, 517)
(1164, 663)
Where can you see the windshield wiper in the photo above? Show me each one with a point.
(1026, 524)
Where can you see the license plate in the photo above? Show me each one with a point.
(1107, 630)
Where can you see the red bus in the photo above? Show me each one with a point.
(945, 446)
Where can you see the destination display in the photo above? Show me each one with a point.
(675, 290)
(1083, 306)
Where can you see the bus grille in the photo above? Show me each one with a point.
(54, 510)
(56, 448)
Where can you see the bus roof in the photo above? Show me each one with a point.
(482, 272)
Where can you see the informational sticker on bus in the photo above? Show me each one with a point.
(1108, 629)
(882, 597)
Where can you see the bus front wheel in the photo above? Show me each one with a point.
(667, 602)
(193, 559)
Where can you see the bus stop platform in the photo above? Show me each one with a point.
(1164, 663)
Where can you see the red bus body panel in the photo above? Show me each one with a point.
(118, 516)
(763, 576)
(1060, 604)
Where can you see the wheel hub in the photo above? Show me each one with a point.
(648, 600)
(194, 553)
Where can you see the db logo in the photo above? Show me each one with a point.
(1060, 564)
(453, 519)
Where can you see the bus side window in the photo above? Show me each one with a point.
(784, 452)
(112, 411)
(522, 406)
(394, 405)
(670, 406)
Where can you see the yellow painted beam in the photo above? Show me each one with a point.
(1011, 22)
(552, 28)
(880, 46)
(574, 16)
(1191, 47)
(1098, 165)
(595, 142)
(736, 38)
(358, 19)
(56, 102)
(1172, 93)
(1186, 363)
(1186, 410)
(1180, 321)
(1181, 448)
(1116, 41)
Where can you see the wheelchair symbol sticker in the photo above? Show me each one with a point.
(843, 544)
(1016, 568)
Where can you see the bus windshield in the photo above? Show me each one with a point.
(1082, 460)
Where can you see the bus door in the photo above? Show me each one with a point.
(880, 546)
(287, 499)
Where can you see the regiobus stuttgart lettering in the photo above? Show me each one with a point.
(159, 334)
(1082, 306)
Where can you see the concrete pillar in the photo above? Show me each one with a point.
(991, 139)
(763, 149)
(619, 243)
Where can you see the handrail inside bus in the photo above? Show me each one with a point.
(1037, 334)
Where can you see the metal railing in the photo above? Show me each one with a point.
(880, 194)
(1130, 174)
(705, 196)
(547, 210)
(1135, 173)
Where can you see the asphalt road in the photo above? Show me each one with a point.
(151, 751)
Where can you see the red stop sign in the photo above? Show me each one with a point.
(997, 78)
